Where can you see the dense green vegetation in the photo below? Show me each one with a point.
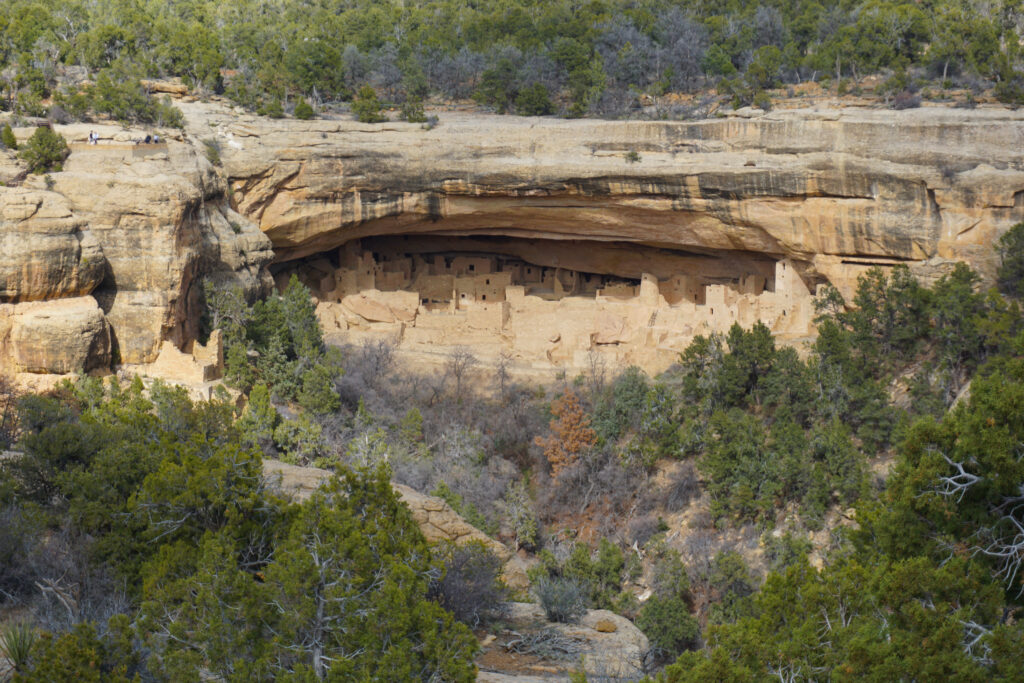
(928, 586)
(125, 503)
(139, 534)
(515, 55)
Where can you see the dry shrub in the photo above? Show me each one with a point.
(564, 600)
(571, 434)
(640, 529)
(8, 412)
(906, 100)
(682, 488)
(471, 588)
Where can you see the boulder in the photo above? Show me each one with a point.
(440, 523)
(610, 646)
(60, 336)
(368, 308)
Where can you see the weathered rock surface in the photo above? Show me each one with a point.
(440, 523)
(56, 337)
(612, 648)
(817, 187)
(163, 222)
(136, 226)
(46, 252)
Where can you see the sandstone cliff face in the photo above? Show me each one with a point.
(46, 251)
(831, 193)
(816, 187)
(49, 264)
(131, 229)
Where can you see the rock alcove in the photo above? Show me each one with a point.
(545, 303)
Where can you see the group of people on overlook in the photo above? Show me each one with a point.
(94, 139)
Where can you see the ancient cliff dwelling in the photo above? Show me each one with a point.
(546, 303)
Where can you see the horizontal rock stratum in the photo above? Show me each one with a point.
(833, 191)
(116, 245)
(812, 186)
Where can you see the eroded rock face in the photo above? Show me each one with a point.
(49, 264)
(610, 647)
(136, 227)
(55, 337)
(160, 215)
(46, 251)
(715, 202)
(816, 187)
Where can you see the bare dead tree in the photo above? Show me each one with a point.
(958, 484)
(461, 361)
(596, 373)
(1007, 547)
(377, 358)
(1003, 540)
(975, 645)
(502, 373)
(63, 593)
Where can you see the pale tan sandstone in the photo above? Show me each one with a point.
(50, 258)
(136, 226)
(199, 365)
(914, 185)
(161, 218)
(55, 337)
(713, 203)
(11, 169)
(544, 316)
(832, 192)
(46, 252)
(166, 87)
(612, 647)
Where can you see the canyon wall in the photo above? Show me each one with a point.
(815, 187)
(102, 263)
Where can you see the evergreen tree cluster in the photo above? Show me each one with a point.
(276, 342)
(528, 56)
(167, 556)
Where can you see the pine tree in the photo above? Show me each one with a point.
(7, 137)
(45, 151)
(260, 419)
(303, 110)
(367, 107)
